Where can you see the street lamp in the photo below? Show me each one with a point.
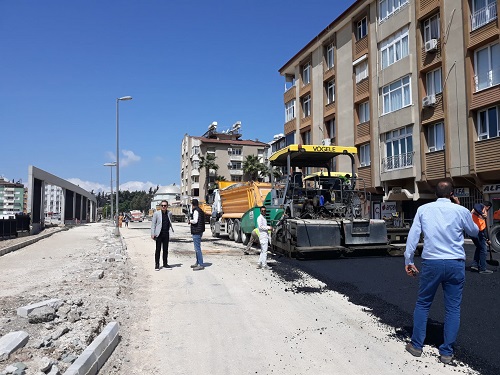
(113, 164)
(117, 231)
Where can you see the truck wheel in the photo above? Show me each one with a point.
(237, 231)
(495, 238)
(212, 228)
(229, 229)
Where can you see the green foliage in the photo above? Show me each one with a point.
(252, 167)
(207, 162)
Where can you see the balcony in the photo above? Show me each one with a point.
(483, 16)
(401, 161)
(488, 79)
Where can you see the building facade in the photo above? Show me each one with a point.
(53, 201)
(169, 193)
(415, 86)
(12, 198)
(229, 151)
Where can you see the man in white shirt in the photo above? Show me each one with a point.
(263, 238)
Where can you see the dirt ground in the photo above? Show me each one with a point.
(230, 318)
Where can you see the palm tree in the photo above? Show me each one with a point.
(208, 162)
(252, 167)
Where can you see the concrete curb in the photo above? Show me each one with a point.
(96, 354)
(28, 242)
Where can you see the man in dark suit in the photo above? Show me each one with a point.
(160, 227)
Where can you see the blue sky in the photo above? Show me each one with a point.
(185, 63)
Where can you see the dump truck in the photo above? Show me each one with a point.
(231, 203)
(325, 213)
(179, 211)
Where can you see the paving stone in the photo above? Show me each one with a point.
(11, 342)
(55, 303)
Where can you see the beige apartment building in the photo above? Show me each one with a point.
(415, 86)
(229, 150)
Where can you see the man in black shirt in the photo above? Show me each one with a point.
(160, 226)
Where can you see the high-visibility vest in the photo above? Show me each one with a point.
(479, 220)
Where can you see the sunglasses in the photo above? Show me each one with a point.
(164, 205)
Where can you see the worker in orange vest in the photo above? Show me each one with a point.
(479, 215)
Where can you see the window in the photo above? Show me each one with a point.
(435, 137)
(394, 48)
(290, 110)
(431, 28)
(236, 151)
(399, 148)
(195, 150)
(330, 128)
(289, 82)
(396, 95)
(433, 82)
(330, 92)
(389, 7)
(483, 12)
(290, 139)
(196, 164)
(330, 56)
(361, 29)
(487, 66)
(306, 137)
(306, 106)
(195, 179)
(364, 155)
(236, 178)
(234, 165)
(364, 112)
(306, 73)
(361, 71)
(488, 123)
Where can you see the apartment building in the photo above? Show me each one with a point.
(53, 201)
(415, 86)
(12, 198)
(229, 150)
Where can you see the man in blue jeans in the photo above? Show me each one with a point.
(443, 263)
(197, 228)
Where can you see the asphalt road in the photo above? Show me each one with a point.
(380, 284)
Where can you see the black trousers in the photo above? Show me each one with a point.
(162, 239)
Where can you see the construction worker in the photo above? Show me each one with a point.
(254, 237)
(479, 215)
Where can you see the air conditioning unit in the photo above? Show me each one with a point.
(326, 142)
(431, 45)
(429, 101)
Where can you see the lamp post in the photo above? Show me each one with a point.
(117, 231)
(113, 164)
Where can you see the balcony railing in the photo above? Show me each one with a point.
(397, 162)
(483, 16)
(488, 79)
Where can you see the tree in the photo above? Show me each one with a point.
(252, 167)
(208, 162)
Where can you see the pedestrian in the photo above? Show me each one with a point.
(126, 221)
(160, 232)
(479, 215)
(443, 263)
(263, 238)
(197, 228)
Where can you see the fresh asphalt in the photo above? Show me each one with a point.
(379, 283)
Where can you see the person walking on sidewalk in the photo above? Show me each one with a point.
(197, 228)
(160, 227)
(443, 263)
(263, 238)
(479, 215)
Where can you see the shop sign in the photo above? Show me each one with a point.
(461, 192)
(388, 208)
(488, 189)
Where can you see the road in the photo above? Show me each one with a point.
(233, 318)
(380, 284)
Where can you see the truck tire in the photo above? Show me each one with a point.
(237, 231)
(212, 228)
(495, 238)
(229, 229)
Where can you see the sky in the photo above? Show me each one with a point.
(187, 63)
